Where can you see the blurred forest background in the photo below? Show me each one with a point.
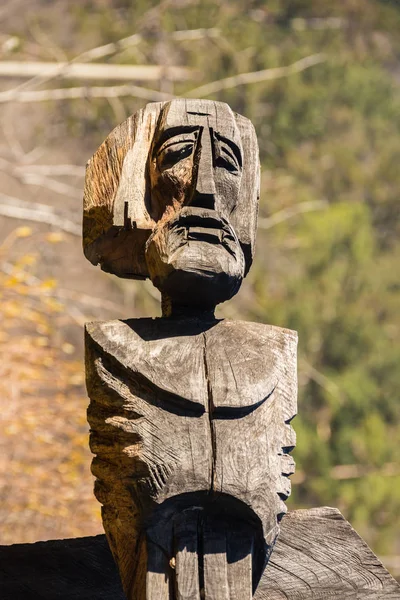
(321, 82)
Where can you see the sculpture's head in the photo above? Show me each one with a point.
(172, 194)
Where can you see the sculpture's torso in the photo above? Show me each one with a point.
(187, 411)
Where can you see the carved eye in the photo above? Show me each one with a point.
(226, 155)
(226, 160)
(174, 153)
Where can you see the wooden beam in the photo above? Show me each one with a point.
(318, 556)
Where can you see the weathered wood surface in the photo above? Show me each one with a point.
(318, 556)
(172, 194)
(190, 424)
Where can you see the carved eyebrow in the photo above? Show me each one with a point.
(181, 131)
(178, 139)
(234, 147)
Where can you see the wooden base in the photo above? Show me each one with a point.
(318, 556)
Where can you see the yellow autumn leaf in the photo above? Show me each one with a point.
(22, 232)
(55, 237)
(26, 261)
(77, 379)
(11, 309)
(42, 328)
(47, 361)
(48, 284)
(53, 305)
(68, 348)
(11, 281)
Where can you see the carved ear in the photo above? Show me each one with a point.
(116, 223)
(244, 217)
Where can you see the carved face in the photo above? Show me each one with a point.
(172, 194)
(195, 169)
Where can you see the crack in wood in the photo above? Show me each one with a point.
(211, 408)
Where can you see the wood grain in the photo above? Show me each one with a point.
(320, 556)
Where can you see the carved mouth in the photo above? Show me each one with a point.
(202, 225)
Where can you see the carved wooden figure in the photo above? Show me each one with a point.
(189, 415)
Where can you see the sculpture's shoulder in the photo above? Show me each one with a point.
(255, 334)
(248, 361)
(116, 335)
(167, 354)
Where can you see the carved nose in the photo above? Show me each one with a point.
(204, 190)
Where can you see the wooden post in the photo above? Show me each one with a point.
(189, 416)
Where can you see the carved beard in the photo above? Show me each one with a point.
(195, 257)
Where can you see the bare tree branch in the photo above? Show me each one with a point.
(52, 170)
(256, 76)
(40, 213)
(39, 175)
(8, 129)
(51, 184)
(85, 92)
(292, 211)
(108, 49)
(46, 43)
(312, 373)
(195, 34)
(86, 71)
(301, 24)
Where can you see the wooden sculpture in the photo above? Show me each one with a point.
(189, 415)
